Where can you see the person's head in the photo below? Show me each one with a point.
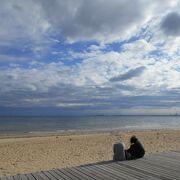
(133, 139)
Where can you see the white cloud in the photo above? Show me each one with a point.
(139, 46)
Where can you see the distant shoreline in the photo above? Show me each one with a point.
(78, 132)
(45, 126)
(88, 115)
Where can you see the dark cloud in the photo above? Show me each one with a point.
(100, 19)
(171, 24)
(130, 74)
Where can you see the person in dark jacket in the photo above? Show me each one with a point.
(136, 149)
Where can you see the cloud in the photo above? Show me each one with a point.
(22, 22)
(130, 74)
(87, 20)
(137, 50)
(45, 21)
(171, 24)
(139, 46)
(11, 58)
(100, 19)
(76, 86)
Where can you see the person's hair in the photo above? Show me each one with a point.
(133, 139)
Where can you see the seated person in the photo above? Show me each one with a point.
(136, 149)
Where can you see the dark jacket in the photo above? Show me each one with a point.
(136, 150)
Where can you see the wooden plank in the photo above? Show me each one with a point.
(101, 173)
(113, 173)
(89, 172)
(67, 173)
(37, 177)
(23, 177)
(85, 172)
(104, 174)
(167, 155)
(165, 159)
(10, 178)
(75, 174)
(30, 177)
(17, 177)
(83, 175)
(171, 155)
(4, 178)
(153, 171)
(49, 175)
(158, 162)
(141, 170)
(118, 173)
(55, 175)
(61, 174)
(40, 176)
(162, 158)
(128, 171)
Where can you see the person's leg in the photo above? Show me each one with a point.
(127, 155)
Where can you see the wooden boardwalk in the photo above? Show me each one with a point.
(164, 166)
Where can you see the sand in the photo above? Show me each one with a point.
(31, 154)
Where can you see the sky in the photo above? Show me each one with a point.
(89, 57)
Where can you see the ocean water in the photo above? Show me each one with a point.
(19, 125)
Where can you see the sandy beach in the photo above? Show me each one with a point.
(31, 154)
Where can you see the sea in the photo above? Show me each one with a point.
(30, 125)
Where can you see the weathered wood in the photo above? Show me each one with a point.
(4, 178)
(23, 177)
(118, 174)
(164, 160)
(64, 171)
(30, 177)
(151, 170)
(158, 162)
(130, 172)
(10, 178)
(173, 155)
(91, 173)
(17, 177)
(49, 175)
(75, 174)
(55, 175)
(62, 175)
(41, 175)
(37, 176)
(83, 175)
(104, 174)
